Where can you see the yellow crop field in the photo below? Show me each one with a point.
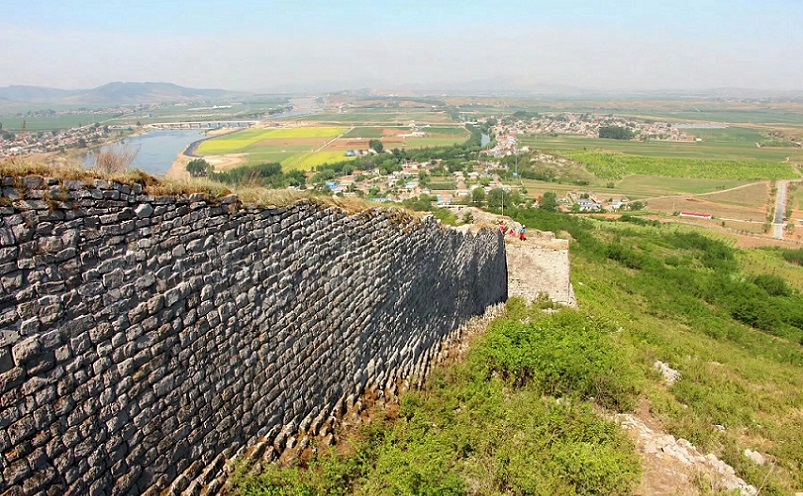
(306, 161)
(305, 132)
(241, 141)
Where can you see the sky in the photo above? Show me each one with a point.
(264, 45)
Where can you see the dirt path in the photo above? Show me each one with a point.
(780, 210)
(675, 466)
(335, 139)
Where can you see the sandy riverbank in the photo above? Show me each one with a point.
(178, 169)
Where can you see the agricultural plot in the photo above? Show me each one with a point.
(725, 144)
(376, 116)
(641, 186)
(306, 147)
(673, 204)
(283, 140)
(15, 123)
(307, 161)
(617, 166)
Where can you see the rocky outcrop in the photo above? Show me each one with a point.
(145, 339)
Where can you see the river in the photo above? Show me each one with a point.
(158, 149)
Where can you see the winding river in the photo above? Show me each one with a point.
(158, 149)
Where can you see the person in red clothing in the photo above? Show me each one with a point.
(522, 230)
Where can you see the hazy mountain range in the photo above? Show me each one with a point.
(117, 93)
(120, 93)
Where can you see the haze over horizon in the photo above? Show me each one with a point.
(281, 45)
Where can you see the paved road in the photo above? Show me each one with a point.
(780, 210)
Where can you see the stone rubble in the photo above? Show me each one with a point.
(671, 375)
(660, 445)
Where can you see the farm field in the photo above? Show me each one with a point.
(306, 147)
(376, 116)
(726, 144)
(303, 139)
(616, 166)
(752, 195)
(14, 123)
(638, 187)
(669, 205)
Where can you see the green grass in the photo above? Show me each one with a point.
(696, 304)
(617, 166)
(491, 424)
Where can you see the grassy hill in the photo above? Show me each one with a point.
(520, 415)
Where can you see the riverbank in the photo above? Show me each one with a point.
(178, 169)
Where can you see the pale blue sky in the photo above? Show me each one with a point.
(253, 45)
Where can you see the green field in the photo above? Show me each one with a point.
(306, 161)
(300, 147)
(249, 140)
(381, 116)
(617, 166)
(446, 130)
(364, 132)
(634, 187)
(726, 144)
(14, 123)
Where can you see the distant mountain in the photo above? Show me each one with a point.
(33, 93)
(117, 93)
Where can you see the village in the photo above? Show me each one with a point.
(29, 142)
(587, 125)
(461, 187)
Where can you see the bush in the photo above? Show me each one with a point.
(114, 159)
(563, 354)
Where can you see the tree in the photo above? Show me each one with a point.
(296, 178)
(199, 168)
(615, 132)
(478, 196)
(637, 205)
(376, 145)
(549, 201)
(495, 197)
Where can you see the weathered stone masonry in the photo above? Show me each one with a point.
(144, 338)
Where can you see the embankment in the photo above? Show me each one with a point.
(144, 339)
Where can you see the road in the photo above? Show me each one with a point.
(780, 210)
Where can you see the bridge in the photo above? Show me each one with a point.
(200, 124)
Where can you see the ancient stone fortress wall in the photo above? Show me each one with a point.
(144, 339)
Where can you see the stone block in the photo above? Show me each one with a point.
(25, 350)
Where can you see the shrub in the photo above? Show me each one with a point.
(566, 353)
(114, 159)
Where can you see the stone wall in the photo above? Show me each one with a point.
(143, 339)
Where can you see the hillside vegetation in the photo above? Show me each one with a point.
(519, 416)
